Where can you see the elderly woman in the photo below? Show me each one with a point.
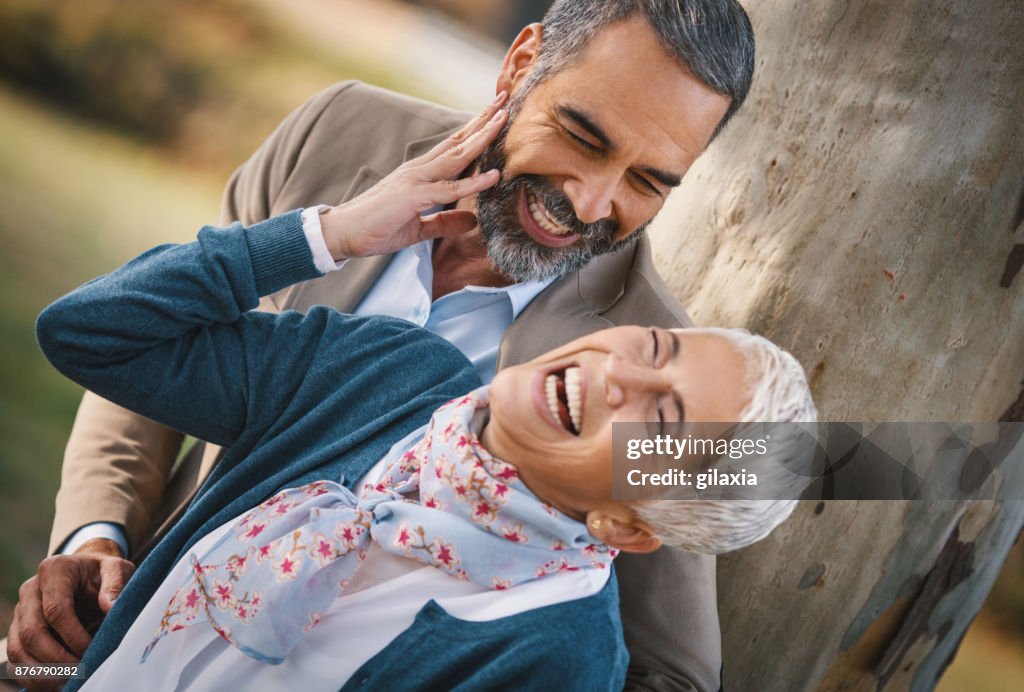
(340, 537)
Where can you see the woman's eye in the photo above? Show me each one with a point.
(654, 357)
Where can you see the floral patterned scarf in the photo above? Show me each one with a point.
(267, 581)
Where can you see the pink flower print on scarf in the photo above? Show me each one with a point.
(270, 578)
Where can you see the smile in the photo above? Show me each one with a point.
(540, 214)
(539, 224)
(563, 391)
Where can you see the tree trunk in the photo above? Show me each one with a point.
(864, 211)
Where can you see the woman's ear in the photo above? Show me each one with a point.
(619, 527)
(520, 58)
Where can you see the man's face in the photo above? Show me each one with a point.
(589, 155)
(553, 417)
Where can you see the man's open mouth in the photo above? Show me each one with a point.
(562, 389)
(540, 214)
(538, 222)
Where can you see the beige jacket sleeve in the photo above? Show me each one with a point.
(115, 467)
(117, 463)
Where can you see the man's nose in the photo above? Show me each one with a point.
(624, 379)
(591, 196)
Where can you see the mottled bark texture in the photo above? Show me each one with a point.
(864, 210)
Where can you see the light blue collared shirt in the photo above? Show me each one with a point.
(473, 318)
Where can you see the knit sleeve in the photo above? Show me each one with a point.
(169, 334)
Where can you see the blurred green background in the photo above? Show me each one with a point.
(122, 120)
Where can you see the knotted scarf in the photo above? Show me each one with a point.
(267, 581)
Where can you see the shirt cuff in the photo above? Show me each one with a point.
(98, 529)
(315, 237)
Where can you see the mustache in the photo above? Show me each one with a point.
(598, 234)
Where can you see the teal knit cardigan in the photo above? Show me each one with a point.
(296, 398)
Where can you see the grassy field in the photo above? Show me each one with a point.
(75, 202)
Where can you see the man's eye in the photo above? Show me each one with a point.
(661, 421)
(582, 142)
(647, 185)
(654, 357)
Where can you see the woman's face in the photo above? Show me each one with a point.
(552, 417)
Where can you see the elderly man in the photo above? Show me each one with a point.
(611, 102)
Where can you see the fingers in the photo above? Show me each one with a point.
(30, 639)
(46, 612)
(474, 126)
(447, 223)
(16, 654)
(387, 216)
(461, 154)
(30, 684)
(114, 574)
(448, 191)
(61, 578)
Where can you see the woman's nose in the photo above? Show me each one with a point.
(622, 378)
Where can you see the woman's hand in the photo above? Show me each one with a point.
(386, 218)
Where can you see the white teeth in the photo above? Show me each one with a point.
(550, 391)
(540, 215)
(573, 380)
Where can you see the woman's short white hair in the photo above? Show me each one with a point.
(778, 393)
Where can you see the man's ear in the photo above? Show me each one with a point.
(623, 530)
(520, 58)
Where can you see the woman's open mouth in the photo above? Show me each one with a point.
(564, 393)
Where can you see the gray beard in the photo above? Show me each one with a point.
(520, 257)
(512, 251)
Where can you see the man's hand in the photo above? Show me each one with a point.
(69, 595)
(386, 218)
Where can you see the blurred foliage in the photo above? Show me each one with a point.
(112, 61)
(206, 78)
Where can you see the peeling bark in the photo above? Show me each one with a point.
(953, 566)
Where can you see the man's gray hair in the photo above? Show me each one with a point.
(712, 38)
(778, 393)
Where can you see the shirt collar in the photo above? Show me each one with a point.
(519, 294)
